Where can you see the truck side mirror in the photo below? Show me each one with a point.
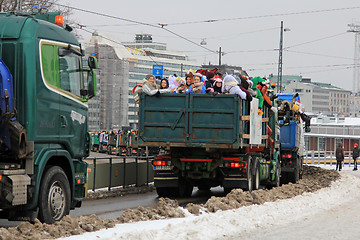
(91, 81)
(92, 62)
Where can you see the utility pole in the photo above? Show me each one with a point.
(220, 56)
(355, 28)
(279, 80)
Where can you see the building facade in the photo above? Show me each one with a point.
(321, 98)
(121, 67)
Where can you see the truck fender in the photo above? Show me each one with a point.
(42, 161)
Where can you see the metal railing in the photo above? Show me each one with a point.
(327, 158)
(125, 161)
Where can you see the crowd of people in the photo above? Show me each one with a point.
(211, 82)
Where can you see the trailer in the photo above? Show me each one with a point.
(210, 141)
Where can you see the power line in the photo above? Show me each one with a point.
(317, 54)
(316, 40)
(265, 16)
(136, 22)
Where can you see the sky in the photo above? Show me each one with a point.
(317, 45)
(252, 220)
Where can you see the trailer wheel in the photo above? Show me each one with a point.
(256, 179)
(277, 177)
(249, 175)
(164, 191)
(185, 188)
(54, 196)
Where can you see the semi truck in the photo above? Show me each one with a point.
(43, 117)
(111, 145)
(210, 141)
(121, 143)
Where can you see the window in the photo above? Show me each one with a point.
(298, 90)
(321, 144)
(61, 72)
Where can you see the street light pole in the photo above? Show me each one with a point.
(279, 82)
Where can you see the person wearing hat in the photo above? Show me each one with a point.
(355, 155)
(217, 85)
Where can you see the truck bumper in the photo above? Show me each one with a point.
(166, 182)
(234, 182)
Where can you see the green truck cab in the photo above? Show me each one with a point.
(210, 141)
(50, 93)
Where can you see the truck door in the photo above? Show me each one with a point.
(72, 111)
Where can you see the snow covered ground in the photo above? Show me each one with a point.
(242, 222)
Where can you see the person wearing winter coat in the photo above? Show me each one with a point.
(356, 151)
(198, 86)
(231, 85)
(217, 85)
(150, 87)
(339, 153)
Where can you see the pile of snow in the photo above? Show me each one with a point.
(236, 222)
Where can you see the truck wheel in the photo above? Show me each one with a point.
(295, 175)
(164, 191)
(54, 196)
(185, 189)
(249, 175)
(277, 177)
(256, 178)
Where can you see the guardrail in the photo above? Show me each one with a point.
(118, 171)
(327, 158)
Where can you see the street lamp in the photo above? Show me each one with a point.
(279, 82)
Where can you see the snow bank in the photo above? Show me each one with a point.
(233, 223)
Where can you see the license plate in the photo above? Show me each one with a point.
(162, 167)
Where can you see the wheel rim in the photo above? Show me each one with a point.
(56, 201)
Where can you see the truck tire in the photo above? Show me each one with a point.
(256, 178)
(295, 175)
(249, 175)
(277, 177)
(54, 196)
(185, 189)
(164, 191)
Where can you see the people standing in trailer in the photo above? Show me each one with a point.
(217, 85)
(231, 85)
(355, 155)
(164, 84)
(339, 153)
(150, 87)
(189, 79)
(198, 86)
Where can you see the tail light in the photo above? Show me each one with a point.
(235, 164)
(160, 163)
(286, 156)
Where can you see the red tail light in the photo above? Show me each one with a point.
(235, 164)
(160, 163)
(286, 156)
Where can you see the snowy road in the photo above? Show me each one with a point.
(330, 213)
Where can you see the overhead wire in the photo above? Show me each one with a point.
(136, 22)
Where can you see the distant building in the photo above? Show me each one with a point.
(121, 67)
(321, 97)
(327, 132)
(109, 109)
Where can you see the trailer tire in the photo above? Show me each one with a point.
(277, 177)
(165, 191)
(256, 178)
(185, 188)
(249, 175)
(54, 195)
